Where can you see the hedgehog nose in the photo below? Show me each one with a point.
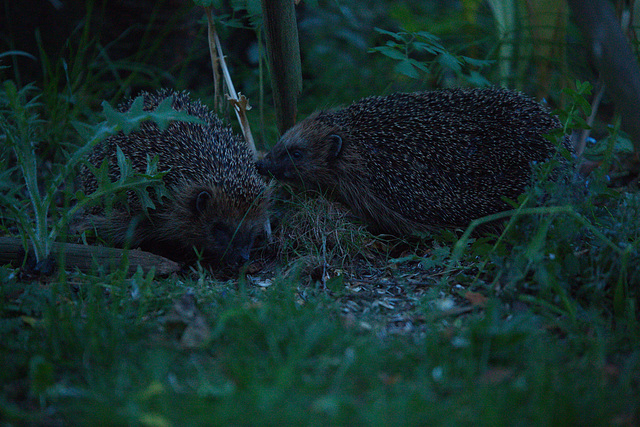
(262, 168)
(243, 255)
(238, 256)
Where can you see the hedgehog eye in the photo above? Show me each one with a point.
(295, 153)
(201, 201)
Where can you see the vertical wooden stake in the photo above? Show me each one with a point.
(283, 50)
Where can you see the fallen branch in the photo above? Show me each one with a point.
(89, 258)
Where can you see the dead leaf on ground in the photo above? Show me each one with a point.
(476, 299)
(389, 379)
(496, 375)
(610, 373)
(186, 321)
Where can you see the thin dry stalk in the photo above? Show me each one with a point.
(214, 60)
(239, 102)
(581, 142)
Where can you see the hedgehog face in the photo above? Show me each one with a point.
(305, 155)
(227, 228)
(210, 223)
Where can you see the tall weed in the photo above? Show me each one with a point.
(29, 202)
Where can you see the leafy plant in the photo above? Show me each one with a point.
(407, 47)
(569, 238)
(552, 337)
(40, 225)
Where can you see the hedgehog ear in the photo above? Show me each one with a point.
(335, 146)
(201, 201)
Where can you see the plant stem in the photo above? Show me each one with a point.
(214, 59)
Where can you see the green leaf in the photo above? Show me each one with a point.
(428, 36)
(146, 202)
(391, 53)
(449, 61)
(393, 35)
(477, 79)
(429, 263)
(112, 116)
(404, 259)
(535, 250)
(584, 88)
(335, 283)
(407, 69)
(433, 49)
(480, 63)
(584, 105)
(124, 165)
(254, 9)
(130, 120)
(419, 65)
(96, 133)
(164, 113)
(621, 145)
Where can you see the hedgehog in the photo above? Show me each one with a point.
(412, 162)
(218, 202)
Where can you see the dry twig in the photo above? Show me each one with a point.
(239, 102)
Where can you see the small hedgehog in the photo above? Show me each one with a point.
(416, 161)
(218, 201)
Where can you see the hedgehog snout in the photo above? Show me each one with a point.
(242, 254)
(237, 256)
(262, 167)
(266, 164)
(270, 168)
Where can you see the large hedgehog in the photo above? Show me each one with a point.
(415, 161)
(218, 201)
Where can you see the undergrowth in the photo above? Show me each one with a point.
(30, 203)
(536, 324)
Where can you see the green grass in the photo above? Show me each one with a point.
(93, 351)
(332, 326)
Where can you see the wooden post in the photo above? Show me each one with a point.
(283, 50)
(614, 59)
